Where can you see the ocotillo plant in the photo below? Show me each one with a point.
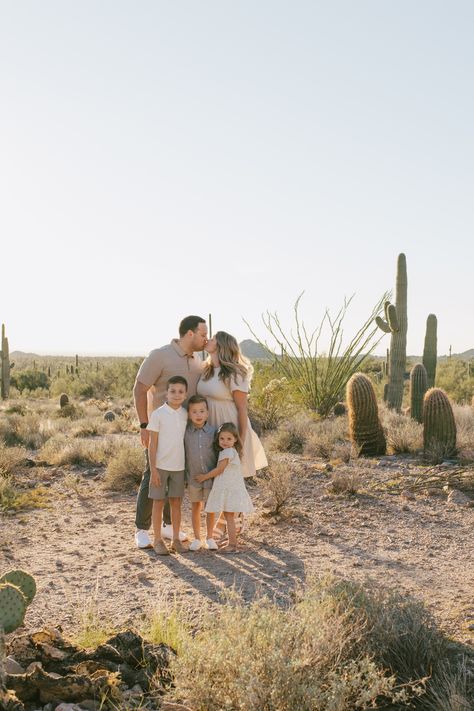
(396, 323)
(430, 352)
(418, 388)
(365, 429)
(5, 366)
(439, 426)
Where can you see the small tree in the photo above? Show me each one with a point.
(320, 378)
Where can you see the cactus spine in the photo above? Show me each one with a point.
(365, 429)
(418, 388)
(430, 349)
(439, 426)
(396, 323)
(5, 366)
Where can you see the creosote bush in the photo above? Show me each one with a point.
(125, 469)
(291, 435)
(339, 648)
(279, 483)
(326, 436)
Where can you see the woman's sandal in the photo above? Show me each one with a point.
(228, 549)
(219, 532)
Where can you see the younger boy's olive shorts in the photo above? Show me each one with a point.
(198, 492)
(171, 485)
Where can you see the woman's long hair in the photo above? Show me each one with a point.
(231, 361)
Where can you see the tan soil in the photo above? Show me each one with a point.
(81, 549)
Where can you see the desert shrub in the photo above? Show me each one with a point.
(16, 408)
(30, 380)
(114, 379)
(339, 648)
(272, 399)
(278, 483)
(464, 417)
(325, 436)
(89, 427)
(11, 458)
(30, 430)
(344, 483)
(125, 469)
(71, 411)
(454, 376)
(404, 435)
(290, 436)
(14, 499)
(61, 450)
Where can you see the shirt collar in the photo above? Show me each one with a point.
(171, 409)
(205, 428)
(179, 350)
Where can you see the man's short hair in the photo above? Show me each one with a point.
(196, 399)
(177, 380)
(189, 323)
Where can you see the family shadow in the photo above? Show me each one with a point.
(269, 571)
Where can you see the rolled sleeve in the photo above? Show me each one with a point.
(154, 423)
(239, 383)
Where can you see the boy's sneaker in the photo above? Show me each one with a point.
(195, 545)
(178, 547)
(142, 539)
(167, 532)
(212, 545)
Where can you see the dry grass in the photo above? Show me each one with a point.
(404, 435)
(11, 459)
(125, 469)
(291, 436)
(326, 436)
(61, 450)
(339, 648)
(344, 483)
(464, 416)
(15, 499)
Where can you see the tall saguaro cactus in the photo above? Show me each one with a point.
(430, 353)
(5, 366)
(396, 324)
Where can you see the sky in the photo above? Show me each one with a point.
(160, 159)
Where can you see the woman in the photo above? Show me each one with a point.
(225, 383)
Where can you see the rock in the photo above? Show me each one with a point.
(457, 498)
(170, 706)
(12, 666)
(67, 707)
(408, 495)
(110, 519)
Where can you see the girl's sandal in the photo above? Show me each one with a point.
(219, 532)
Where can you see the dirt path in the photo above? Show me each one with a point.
(81, 550)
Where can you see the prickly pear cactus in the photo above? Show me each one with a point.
(12, 607)
(418, 388)
(365, 429)
(22, 580)
(439, 426)
(430, 350)
(63, 400)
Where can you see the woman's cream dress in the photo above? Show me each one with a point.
(222, 408)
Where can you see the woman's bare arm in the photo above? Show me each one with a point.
(241, 399)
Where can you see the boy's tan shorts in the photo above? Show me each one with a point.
(197, 492)
(171, 486)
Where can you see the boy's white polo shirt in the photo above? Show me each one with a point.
(171, 426)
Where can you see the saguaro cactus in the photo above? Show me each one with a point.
(5, 366)
(418, 388)
(365, 429)
(430, 353)
(396, 323)
(439, 426)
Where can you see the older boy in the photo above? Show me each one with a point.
(200, 459)
(166, 455)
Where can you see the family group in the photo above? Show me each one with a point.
(195, 427)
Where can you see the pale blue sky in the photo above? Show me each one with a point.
(165, 158)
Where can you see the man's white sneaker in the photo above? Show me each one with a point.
(142, 539)
(212, 545)
(167, 532)
(195, 545)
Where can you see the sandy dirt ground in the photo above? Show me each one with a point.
(82, 553)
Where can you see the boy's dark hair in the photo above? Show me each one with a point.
(177, 379)
(189, 323)
(228, 427)
(196, 399)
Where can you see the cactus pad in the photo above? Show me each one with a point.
(12, 607)
(24, 581)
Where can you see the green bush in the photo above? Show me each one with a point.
(272, 399)
(456, 378)
(30, 380)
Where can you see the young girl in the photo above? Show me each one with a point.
(228, 493)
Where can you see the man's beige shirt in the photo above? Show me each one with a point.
(161, 364)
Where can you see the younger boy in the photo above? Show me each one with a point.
(200, 459)
(166, 454)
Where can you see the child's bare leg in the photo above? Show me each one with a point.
(157, 516)
(175, 505)
(196, 518)
(210, 518)
(230, 520)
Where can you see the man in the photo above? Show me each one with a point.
(177, 358)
